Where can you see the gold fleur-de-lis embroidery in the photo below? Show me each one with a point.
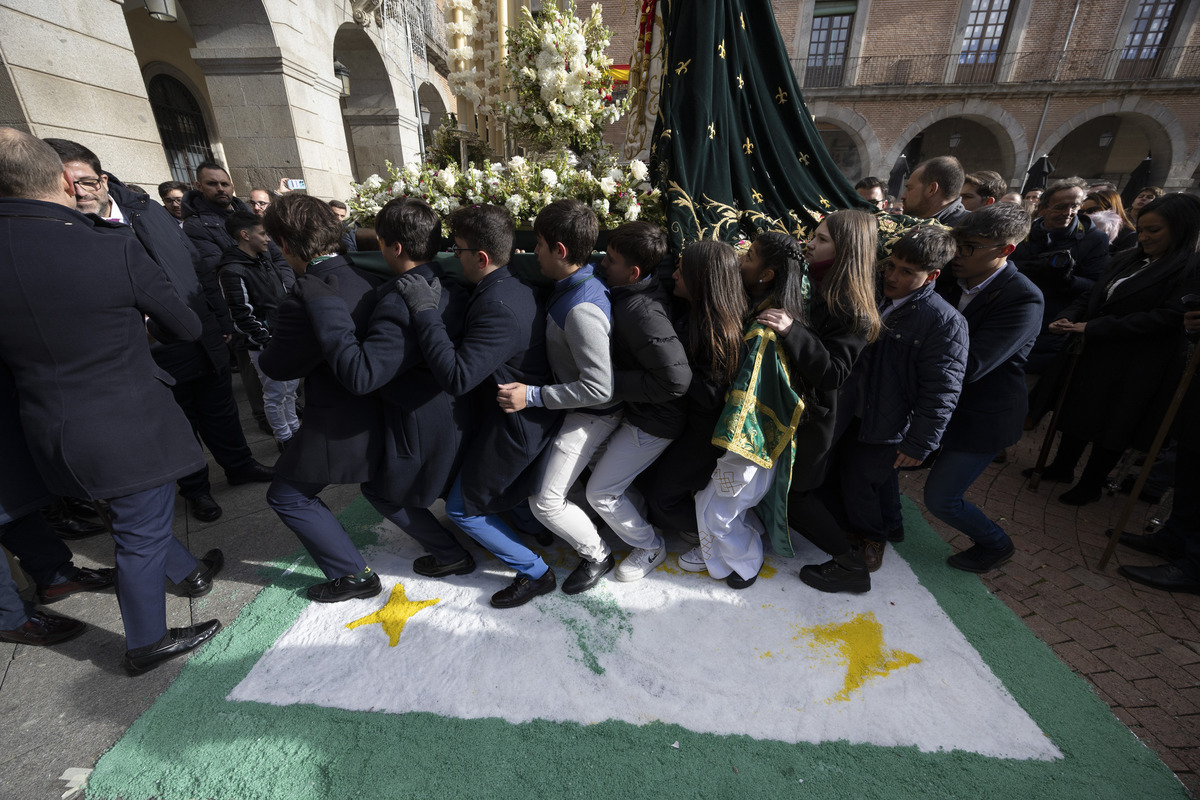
(742, 18)
(721, 49)
(683, 67)
(804, 159)
(748, 147)
(741, 83)
(781, 96)
(712, 130)
(758, 198)
(826, 203)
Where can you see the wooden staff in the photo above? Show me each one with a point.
(1151, 455)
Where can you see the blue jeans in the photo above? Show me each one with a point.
(952, 474)
(14, 612)
(494, 534)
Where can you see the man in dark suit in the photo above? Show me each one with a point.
(95, 408)
(1004, 312)
(341, 438)
(203, 385)
(504, 341)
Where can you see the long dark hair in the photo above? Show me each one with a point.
(782, 254)
(1181, 213)
(718, 304)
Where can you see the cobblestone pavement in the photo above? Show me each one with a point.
(1139, 648)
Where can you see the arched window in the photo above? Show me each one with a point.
(180, 126)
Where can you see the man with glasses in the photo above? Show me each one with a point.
(1003, 310)
(171, 193)
(1064, 254)
(203, 385)
(259, 200)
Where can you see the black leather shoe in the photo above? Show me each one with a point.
(980, 559)
(587, 574)
(735, 581)
(204, 508)
(69, 525)
(523, 589)
(83, 508)
(430, 568)
(1167, 577)
(1153, 543)
(340, 589)
(836, 576)
(176, 642)
(200, 581)
(85, 580)
(43, 628)
(896, 534)
(1080, 495)
(253, 472)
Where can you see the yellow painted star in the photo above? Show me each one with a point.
(395, 614)
(859, 647)
(741, 83)
(804, 159)
(748, 147)
(712, 130)
(781, 96)
(758, 198)
(683, 67)
(721, 49)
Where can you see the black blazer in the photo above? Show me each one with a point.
(1003, 322)
(423, 424)
(340, 440)
(503, 341)
(97, 411)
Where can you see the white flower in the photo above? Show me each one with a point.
(540, 120)
(412, 171)
(549, 177)
(638, 170)
(514, 203)
(632, 212)
(372, 183)
(608, 185)
(516, 163)
(447, 179)
(600, 206)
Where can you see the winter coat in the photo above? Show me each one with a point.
(253, 291)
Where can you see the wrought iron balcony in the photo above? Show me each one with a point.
(1024, 67)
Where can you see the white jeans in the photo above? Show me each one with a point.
(279, 402)
(730, 531)
(611, 492)
(580, 436)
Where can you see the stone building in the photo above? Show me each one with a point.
(319, 90)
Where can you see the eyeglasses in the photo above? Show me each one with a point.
(460, 250)
(260, 203)
(172, 201)
(969, 249)
(88, 183)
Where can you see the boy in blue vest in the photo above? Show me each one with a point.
(578, 327)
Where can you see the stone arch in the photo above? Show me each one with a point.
(1014, 148)
(431, 100)
(156, 68)
(370, 111)
(859, 130)
(1161, 126)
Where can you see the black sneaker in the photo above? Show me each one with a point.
(523, 589)
(834, 576)
(980, 559)
(341, 589)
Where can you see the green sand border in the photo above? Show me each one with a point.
(193, 744)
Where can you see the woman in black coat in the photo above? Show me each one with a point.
(1127, 337)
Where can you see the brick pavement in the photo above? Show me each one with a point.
(1138, 648)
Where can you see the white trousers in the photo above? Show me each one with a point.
(580, 436)
(730, 531)
(610, 490)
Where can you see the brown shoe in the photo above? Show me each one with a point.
(85, 580)
(873, 554)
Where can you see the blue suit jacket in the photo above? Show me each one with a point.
(1003, 322)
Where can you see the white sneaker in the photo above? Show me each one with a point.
(692, 561)
(640, 563)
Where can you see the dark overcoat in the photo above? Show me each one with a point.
(21, 488)
(341, 438)
(503, 341)
(820, 354)
(423, 424)
(172, 250)
(1003, 321)
(97, 412)
(1132, 353)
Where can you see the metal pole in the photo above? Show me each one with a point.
(1037, 137)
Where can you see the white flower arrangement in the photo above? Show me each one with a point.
(559, 73)
(475, 56)
(523, 186)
